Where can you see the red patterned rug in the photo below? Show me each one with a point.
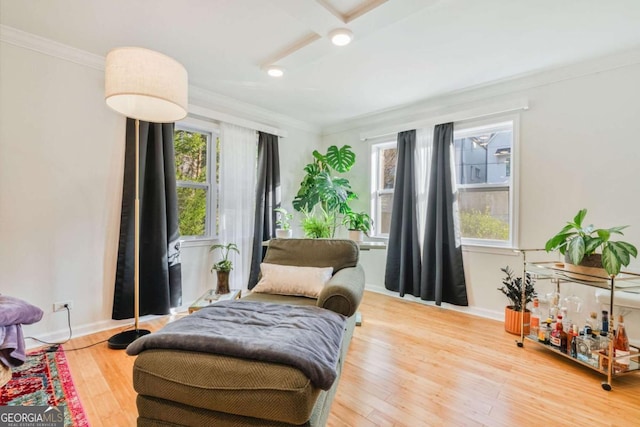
(45, 380)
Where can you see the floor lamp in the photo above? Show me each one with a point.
(144, 85)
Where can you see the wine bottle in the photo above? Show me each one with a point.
(535, 317)
(621, 346)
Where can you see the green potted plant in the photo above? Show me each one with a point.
(512, 289)
(224, 266)
(358, 224)
(323, 194)
(283, 222)
(589, 250)
(318, 227)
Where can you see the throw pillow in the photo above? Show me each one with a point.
(293, 280)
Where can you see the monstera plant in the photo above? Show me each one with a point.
(324, 195)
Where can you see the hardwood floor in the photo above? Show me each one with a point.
(412, 365)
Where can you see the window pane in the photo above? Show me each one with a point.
(384, 213)
(389, 159)
(484, 158)
(192, 209)
(191, 156)
(484, 214)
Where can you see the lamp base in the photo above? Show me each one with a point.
(123, 339)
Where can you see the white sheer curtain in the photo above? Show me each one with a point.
(424, 144)
(238, 157)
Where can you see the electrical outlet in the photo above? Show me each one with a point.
(60, 306)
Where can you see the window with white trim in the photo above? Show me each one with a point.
(197, 154)
(384, 157)
(484, 178)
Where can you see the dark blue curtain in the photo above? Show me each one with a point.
(442, 276)
(160, 270)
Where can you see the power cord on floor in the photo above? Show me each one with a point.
(53, 346)
(96, 343)
(66, 306)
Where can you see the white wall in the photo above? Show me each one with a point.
(61, 167)
(579, 148)
(61, 156)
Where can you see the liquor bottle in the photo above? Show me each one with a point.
(535, 317)
(542, 332)
(574, 341)
(554, 301)
(559, 337)
(570, 337)
(547, 331)
(566, 326)
(621, 346)
(605, 323)
(564, 338)
(593, 322)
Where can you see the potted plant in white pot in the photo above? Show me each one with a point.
(224, 266)
(589, 250)
(512, 289)
(358, 224)
(283, 221)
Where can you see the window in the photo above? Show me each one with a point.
(484, 176)
(384, 158)
(197, 149)
(483, 169)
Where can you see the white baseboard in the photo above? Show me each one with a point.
(62, 335)
(476, 311)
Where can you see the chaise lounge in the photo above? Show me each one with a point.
(178, 387)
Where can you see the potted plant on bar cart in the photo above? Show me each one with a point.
(590, 250)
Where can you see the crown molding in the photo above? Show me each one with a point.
(496, 89)
(197, 95)
(49, 47)
(225, 104)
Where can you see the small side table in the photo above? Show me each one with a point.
(210, 297)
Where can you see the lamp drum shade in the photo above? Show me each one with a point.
(146, 85)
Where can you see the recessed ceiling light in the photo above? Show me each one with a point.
(275, 71)
(341, 36)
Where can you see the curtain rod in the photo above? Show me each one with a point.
(458, 116)
(207, 113)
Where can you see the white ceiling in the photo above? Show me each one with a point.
(404, 51)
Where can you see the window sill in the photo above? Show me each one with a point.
(496, 250)
(193, 243)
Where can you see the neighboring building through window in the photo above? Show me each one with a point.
(383, 165)
(196, 158)
(483, 167)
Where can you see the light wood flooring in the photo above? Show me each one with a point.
(412, 365)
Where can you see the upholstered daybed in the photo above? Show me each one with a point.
(177, 387)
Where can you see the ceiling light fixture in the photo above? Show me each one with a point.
(341, 36)
(275, 71)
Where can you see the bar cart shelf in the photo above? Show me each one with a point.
(555, 272)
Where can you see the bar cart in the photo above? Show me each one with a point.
(604, 362)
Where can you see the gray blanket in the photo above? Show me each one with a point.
(13, 313)
(305, 337)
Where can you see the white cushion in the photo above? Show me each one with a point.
(292, 280)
